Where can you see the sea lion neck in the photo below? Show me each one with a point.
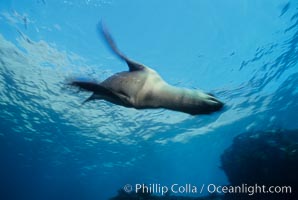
(185, 100)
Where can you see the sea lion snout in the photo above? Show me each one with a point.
(214, 103)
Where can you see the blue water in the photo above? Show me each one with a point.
(51, 147)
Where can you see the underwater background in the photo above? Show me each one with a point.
(245, 52)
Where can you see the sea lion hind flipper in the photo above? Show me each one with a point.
(86, 85)
(132, 65)
(92, 97)
(97, 89)
(99, 92)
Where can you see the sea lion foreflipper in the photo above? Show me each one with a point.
(132, 65)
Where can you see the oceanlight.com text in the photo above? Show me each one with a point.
(249, 189)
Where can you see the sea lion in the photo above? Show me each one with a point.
(141, 87)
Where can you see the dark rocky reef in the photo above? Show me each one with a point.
(263, 158)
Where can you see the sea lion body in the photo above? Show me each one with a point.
(142, 87)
